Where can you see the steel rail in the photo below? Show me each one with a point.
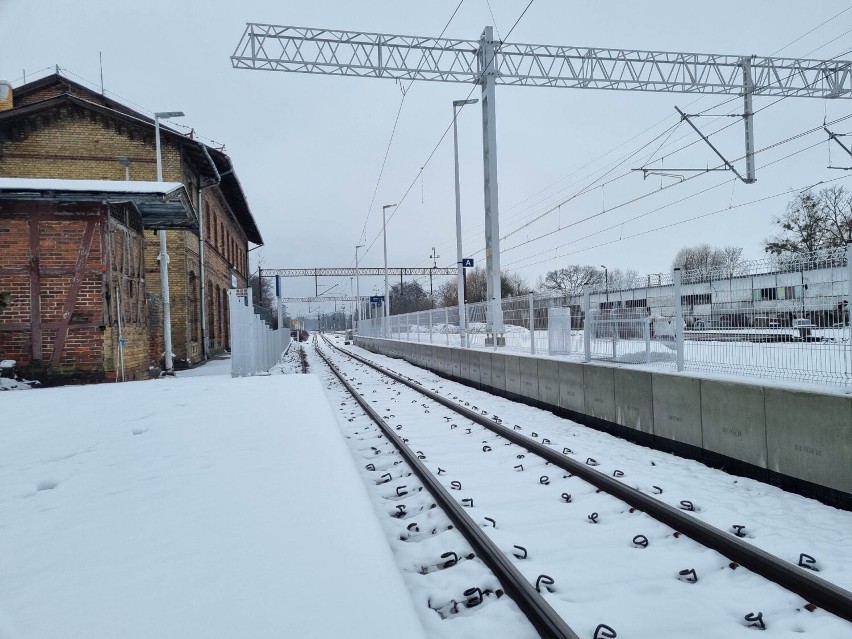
(540, 614)
(802, 582)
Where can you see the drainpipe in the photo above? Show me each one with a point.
(205, 346)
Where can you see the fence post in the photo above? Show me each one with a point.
(418, 326)
(647, 329)
(848, 301)
(430, 326)
(447, 323)
(678, 318)
(587, 324)
(532, 326)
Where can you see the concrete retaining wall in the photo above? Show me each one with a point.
(801, 441)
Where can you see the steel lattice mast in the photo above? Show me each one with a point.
(489, 62)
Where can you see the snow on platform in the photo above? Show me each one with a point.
(189, 507)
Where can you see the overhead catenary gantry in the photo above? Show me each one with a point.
(352, 272)
(349, 271)
(489, 62)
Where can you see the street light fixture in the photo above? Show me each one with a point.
(385, 233)
(459, 254)
(164, 254)
(125, 162)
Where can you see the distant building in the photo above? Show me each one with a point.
(57, 128)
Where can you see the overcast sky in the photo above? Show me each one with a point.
(308, 148)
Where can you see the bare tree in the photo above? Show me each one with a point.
(263, 296)
(620, 279)
(570, 280)
(408, 297)
(447, 294)
(836, 204)
(513, 284)
(813, 221)
(705, 258)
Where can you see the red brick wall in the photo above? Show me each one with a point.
(59, 240)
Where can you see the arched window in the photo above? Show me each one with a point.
(219, 316)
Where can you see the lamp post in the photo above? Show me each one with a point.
(124, 161)
(164, 254)
(459, 254)
(606, 282)
(358, 283)
(387, 288)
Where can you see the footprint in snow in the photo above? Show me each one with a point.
(139, 431)
(47, 484)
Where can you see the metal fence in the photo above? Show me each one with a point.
(785, 317)
(255, 347)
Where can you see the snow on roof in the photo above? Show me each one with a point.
(88, 186)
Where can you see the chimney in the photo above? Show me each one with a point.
(5, 96)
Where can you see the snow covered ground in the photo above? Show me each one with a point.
(205, 506)
(197, 506)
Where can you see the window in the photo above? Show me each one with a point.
(220, 316)
(696, 299)
(765, 294)
(636, 303)
(226, 328)
(193, 307)
(211, 311)
(789, 292)
(609, 305)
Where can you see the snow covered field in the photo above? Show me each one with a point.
(199, 506)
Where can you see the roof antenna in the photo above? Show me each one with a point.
(101, 61)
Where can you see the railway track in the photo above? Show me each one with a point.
(564, 533)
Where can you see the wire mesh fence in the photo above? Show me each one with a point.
(784, 317)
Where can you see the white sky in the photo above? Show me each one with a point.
(308, 149)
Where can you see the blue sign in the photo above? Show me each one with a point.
(277, 286)
(377, 299)
(467, 262)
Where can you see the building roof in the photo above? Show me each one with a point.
(214, 164)
(162, 205)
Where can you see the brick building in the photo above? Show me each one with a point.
(57, 128)
(73, 261)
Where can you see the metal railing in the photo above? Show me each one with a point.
(785, 317)
(255, 347)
